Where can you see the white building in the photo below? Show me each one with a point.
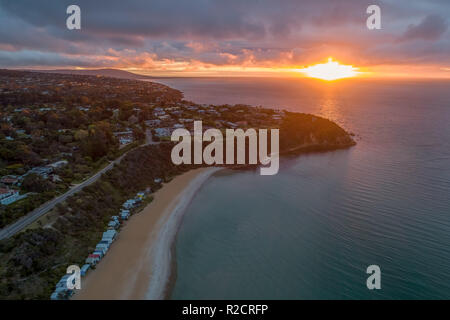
(8, 196)
(163, 132)
(58, 164)
(152, 123)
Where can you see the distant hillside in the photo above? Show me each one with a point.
(114, 73)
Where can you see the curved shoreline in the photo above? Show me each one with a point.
(139, 264)
(162, 249)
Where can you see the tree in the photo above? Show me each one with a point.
(99, 141)
(81, 135)
(35, 183)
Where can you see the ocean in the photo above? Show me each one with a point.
(311, 231)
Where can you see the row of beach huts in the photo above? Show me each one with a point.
(62, 292)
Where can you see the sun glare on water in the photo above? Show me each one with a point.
(331, 70)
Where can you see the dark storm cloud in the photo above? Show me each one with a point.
(430, 28)
(220, 31)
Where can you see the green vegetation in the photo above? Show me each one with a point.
(33, 261)
(300, 131)
(46, 118)
(17, 209)
(78, 119)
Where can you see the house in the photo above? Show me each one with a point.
(129, 204)
(212, 111)
(54, 296)
(124, 214)
(8, 196)
(122, 133)
(40, 171)
(164, 117)
(61, 293)
(10, 180)
(103, 248)
(100, 253)
(140, 195)
(163, 132)
(84, 269)
(55, 178)
(158, 180)
(125, 137)
(94, 256)
(63, 281)
(103, 244)
(123, 140)
(114, 224)
(93, 259)
(109, 234)
(58, 164)
(152, 123)
(107, 243)
(61, 290)
(158, 112)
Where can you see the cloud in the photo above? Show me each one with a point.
(164, 34)
(430, 28)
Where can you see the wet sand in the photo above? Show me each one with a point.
(137, 266)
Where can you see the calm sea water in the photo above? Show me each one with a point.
(311, 231)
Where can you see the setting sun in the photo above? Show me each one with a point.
(331, 70)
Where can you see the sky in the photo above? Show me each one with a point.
(227, 37)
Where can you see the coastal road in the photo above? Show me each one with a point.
(32, 216)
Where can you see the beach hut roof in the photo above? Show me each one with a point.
(85, 267)
(65, 277)
(54, 296)
(60, 289)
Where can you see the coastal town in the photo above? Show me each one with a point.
(57, 130)
(77, 152)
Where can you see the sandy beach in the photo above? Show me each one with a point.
(138, 263)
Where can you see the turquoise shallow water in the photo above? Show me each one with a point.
(311, 231)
